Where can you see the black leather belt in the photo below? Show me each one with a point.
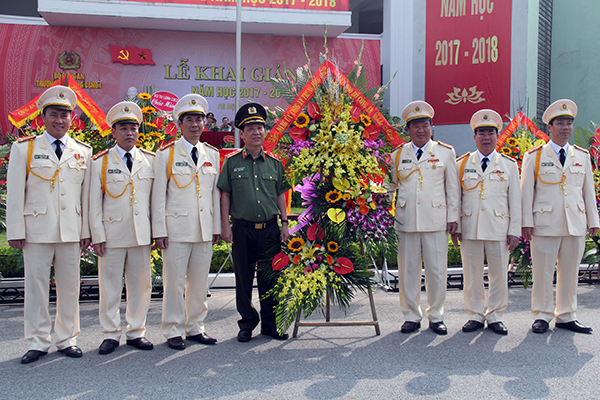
(255, 225)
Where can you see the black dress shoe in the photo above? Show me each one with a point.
(176, 343)
(410, 326)
(71, 351)
(202, 338)
(244, 335)
(274, 334)
(539, 326)
(108, 346)
(140, 343)
(32, 355)
(574, 326)
(498, 327)
(438, 327)
(472, 326)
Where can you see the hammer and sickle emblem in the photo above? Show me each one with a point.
(123, 55)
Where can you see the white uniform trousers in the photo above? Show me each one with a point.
(185, 272)
(38, 257)
(434, 246)
(545, 250)
(138, 281)
(474, 291)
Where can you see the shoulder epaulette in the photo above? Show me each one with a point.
(83, 143)
(581, 148)
(463, 156)
(210, 146)
(147, 151)
(233, 153)
(445, 144)
(509, 157)
(98, 155)
(25, 138)
(534, 149)
(166, 146)
(273, 155)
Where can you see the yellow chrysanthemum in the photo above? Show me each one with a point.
(302, 120)
(512, 141)
(506, 150)
(148, 110)
(144, 96)
(365, 120)
(333, 196)
(296, 244)
(333, 246)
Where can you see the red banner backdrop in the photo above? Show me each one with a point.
(325, 5)
(467, 58)
(33, 58)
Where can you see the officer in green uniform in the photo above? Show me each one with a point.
(253, 187)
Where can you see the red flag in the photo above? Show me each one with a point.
(131, 55)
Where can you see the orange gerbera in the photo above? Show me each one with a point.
(360, 201)
(364, 210)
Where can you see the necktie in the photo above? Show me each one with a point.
(129, 161)
(419, 154)
(484, 163)
(58, 149)
(562, 157)
(195, 155)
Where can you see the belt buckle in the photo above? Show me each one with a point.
(260, 225)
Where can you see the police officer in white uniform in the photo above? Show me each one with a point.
(559, 205)
(186, 222)
(490, 222)
(120, 189)
(426, 212)
(47, 217)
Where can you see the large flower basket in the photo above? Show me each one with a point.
(335, 144)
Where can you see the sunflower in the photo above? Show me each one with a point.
(506, 150)
(333, 246)
(346, 196)
(150, 124)
(365, 120)
(148, 110)
(296, 244)
(156, 134)
(144, 96)
(512, 141)
(333, 196)
(141, 138)
(302, 121)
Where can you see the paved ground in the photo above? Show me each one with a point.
(321, 363)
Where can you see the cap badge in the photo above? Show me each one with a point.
(126, 110)
(485, 117)
(417, 109)
(61, 95)
(252, 110)
(564, 106)
(193, 102)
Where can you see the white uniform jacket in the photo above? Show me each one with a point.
(123, 221)
(428, 191)
(553, 208)
(50, 205)
(491, 200)
(182, 211)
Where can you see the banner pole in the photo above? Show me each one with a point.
(238, 66)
